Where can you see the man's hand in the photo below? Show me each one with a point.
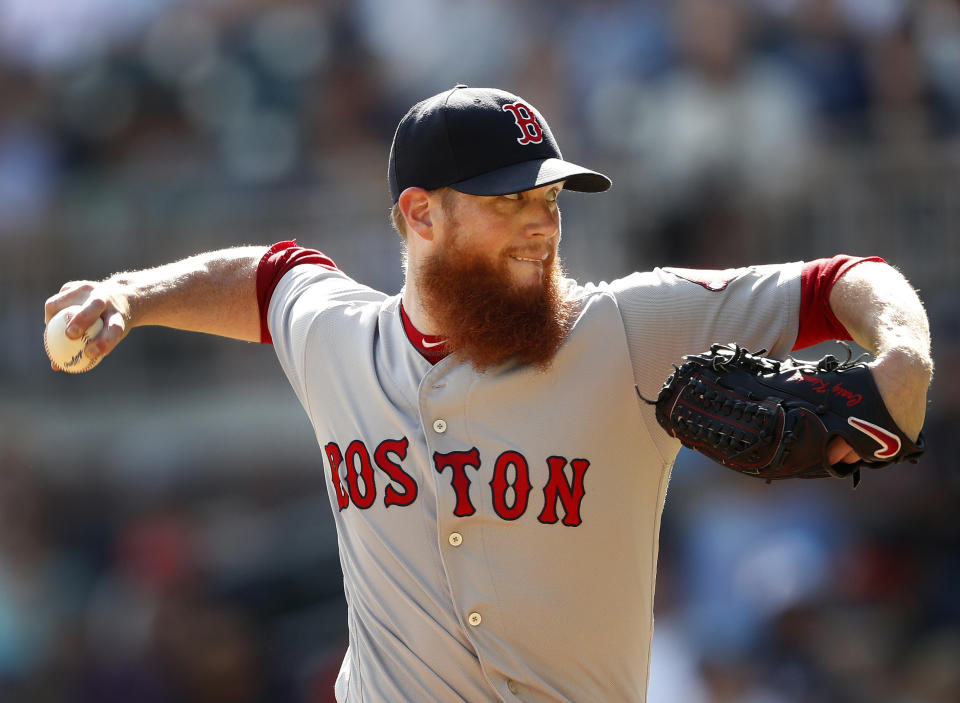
(107, 301)
(902, 380)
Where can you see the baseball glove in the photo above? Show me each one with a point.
(773, 419)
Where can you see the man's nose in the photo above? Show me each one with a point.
(544, 220)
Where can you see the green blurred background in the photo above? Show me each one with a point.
(164, 530)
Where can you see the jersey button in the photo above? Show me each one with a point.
(440, 426)
(455, 539)
(474, 619)
(512, 685)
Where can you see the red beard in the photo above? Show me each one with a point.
(486, 319)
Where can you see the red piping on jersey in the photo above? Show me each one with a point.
(279, 259)
(817, 320)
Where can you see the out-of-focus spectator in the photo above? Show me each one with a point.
(813, 42)
(723, 119)
(899, 94)
(41, 589)
(29, 171)
(723, 131)
(938, 41)
(471, 41)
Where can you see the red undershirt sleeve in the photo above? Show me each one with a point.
(817, 321)
(279, 259)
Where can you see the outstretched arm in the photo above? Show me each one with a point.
(213, 293)
(883, 313)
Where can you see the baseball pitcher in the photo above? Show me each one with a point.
(496, 478)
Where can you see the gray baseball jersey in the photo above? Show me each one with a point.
(498, 531)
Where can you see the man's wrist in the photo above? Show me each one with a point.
(903, 375)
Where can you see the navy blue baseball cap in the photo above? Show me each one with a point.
(481, 141)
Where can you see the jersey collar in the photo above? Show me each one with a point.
(431, 347)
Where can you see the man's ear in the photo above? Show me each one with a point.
(415, 204)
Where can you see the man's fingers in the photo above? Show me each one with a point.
(838, 451)
(80, 293)
(93, 302)
(113, 331)
(91, 309)
(72, 293)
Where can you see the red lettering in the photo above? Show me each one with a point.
(851, 397)
(458, 463)
(510, 484)
(527, 122)
(334, 457)
(357, 450)
(391, 496)
(569, 493)
(521, 486)
(819, 385)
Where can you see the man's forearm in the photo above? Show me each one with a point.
(213, 293)
(882, 311)
(884, 314)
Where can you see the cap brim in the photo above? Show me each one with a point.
(534, 174)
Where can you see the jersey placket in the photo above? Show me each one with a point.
(462, 506)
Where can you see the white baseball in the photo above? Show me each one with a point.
(65, 352)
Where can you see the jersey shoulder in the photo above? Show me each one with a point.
(324, 287)
(706, 284)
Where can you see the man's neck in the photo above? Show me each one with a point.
(417, 314)
(432, 347)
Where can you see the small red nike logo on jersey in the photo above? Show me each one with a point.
(889, 442)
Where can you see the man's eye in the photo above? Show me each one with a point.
(512, 196)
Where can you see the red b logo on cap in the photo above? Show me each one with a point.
(527, 122)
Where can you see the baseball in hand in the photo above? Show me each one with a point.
(65, 352)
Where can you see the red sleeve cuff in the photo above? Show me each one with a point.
(817, 321)
(279, 259)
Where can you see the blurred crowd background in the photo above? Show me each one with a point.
(164, 531)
